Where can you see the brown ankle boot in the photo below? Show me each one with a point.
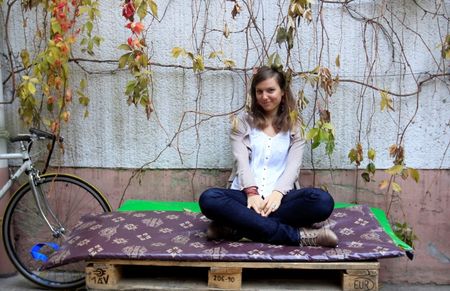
(217, 231)
(323, 237)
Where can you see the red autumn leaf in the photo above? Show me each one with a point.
(136, 27)
(128, 10)
(57, 38)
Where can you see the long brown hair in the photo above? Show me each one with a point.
(283, 120)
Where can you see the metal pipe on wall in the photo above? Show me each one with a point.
(6, 268)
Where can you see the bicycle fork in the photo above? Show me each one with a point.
(43, 205)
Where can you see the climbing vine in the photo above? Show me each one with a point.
(44, 88)
(297, 42)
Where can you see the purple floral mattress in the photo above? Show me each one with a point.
(181, 236)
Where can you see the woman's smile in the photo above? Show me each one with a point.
(269, 95)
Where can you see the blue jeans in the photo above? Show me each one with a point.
(300, 207)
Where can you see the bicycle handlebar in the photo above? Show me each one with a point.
(38, 134)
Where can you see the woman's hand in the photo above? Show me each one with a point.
(255, 202)
(272, 203)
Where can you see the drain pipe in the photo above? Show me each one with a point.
(6, 268)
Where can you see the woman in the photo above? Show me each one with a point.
(263, 203)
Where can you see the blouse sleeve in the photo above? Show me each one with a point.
(241, 150)
(293, 163)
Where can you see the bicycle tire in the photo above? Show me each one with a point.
(23, 226)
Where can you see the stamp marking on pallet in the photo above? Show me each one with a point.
(108, 274)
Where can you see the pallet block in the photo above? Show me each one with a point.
(109, 275)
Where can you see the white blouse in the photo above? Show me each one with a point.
(268, 160)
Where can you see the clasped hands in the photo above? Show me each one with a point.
(265, 207)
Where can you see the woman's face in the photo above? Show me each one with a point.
(268, 95)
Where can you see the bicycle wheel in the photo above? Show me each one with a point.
(70, 198)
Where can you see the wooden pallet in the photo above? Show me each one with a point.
(112, 275)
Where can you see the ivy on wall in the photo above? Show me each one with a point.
(40, 77)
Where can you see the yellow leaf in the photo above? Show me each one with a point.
(198, 64)
(215, 54)
(226, 31)
(229, 63)
(396, 187)
(154, 8)
(31, 88)
(177, 51)
(371, 154)
(384, 184)
(234, 123)
(414, 174)
(338, 61)
(394, 170)
(386, 101)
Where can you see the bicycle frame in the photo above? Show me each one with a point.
(26, 166)
(33, 175)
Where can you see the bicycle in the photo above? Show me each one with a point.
(42, 212)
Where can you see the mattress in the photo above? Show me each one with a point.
(181, 236)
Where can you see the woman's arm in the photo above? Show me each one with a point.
(240, 147)
(293, 164)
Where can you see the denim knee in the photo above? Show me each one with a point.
(326, 205)
(208, 199)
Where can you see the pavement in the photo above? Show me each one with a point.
(19, 283)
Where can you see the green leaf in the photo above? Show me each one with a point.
(83, 9)
(315, 144)
(371, 168)
(281, 35)
(25, 58)
(395, 170)
(327, 125)
(84, 100)
(89, 27)
(142, 10)
(329, 148)
(83, 84)
(123, 60)
(414, 174)
(125, 47)
(56, 27)
(312, 133)
(365, 176)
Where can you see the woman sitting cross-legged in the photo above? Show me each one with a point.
(263, 203)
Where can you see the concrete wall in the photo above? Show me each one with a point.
(120, 136)
(115, 139)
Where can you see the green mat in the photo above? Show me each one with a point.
(149, 205)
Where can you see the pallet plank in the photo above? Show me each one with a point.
(225, 278)
(109, 275)
(365, 280)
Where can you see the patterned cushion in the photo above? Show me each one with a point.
(181, 236)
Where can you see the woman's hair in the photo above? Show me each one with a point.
(283, 121)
